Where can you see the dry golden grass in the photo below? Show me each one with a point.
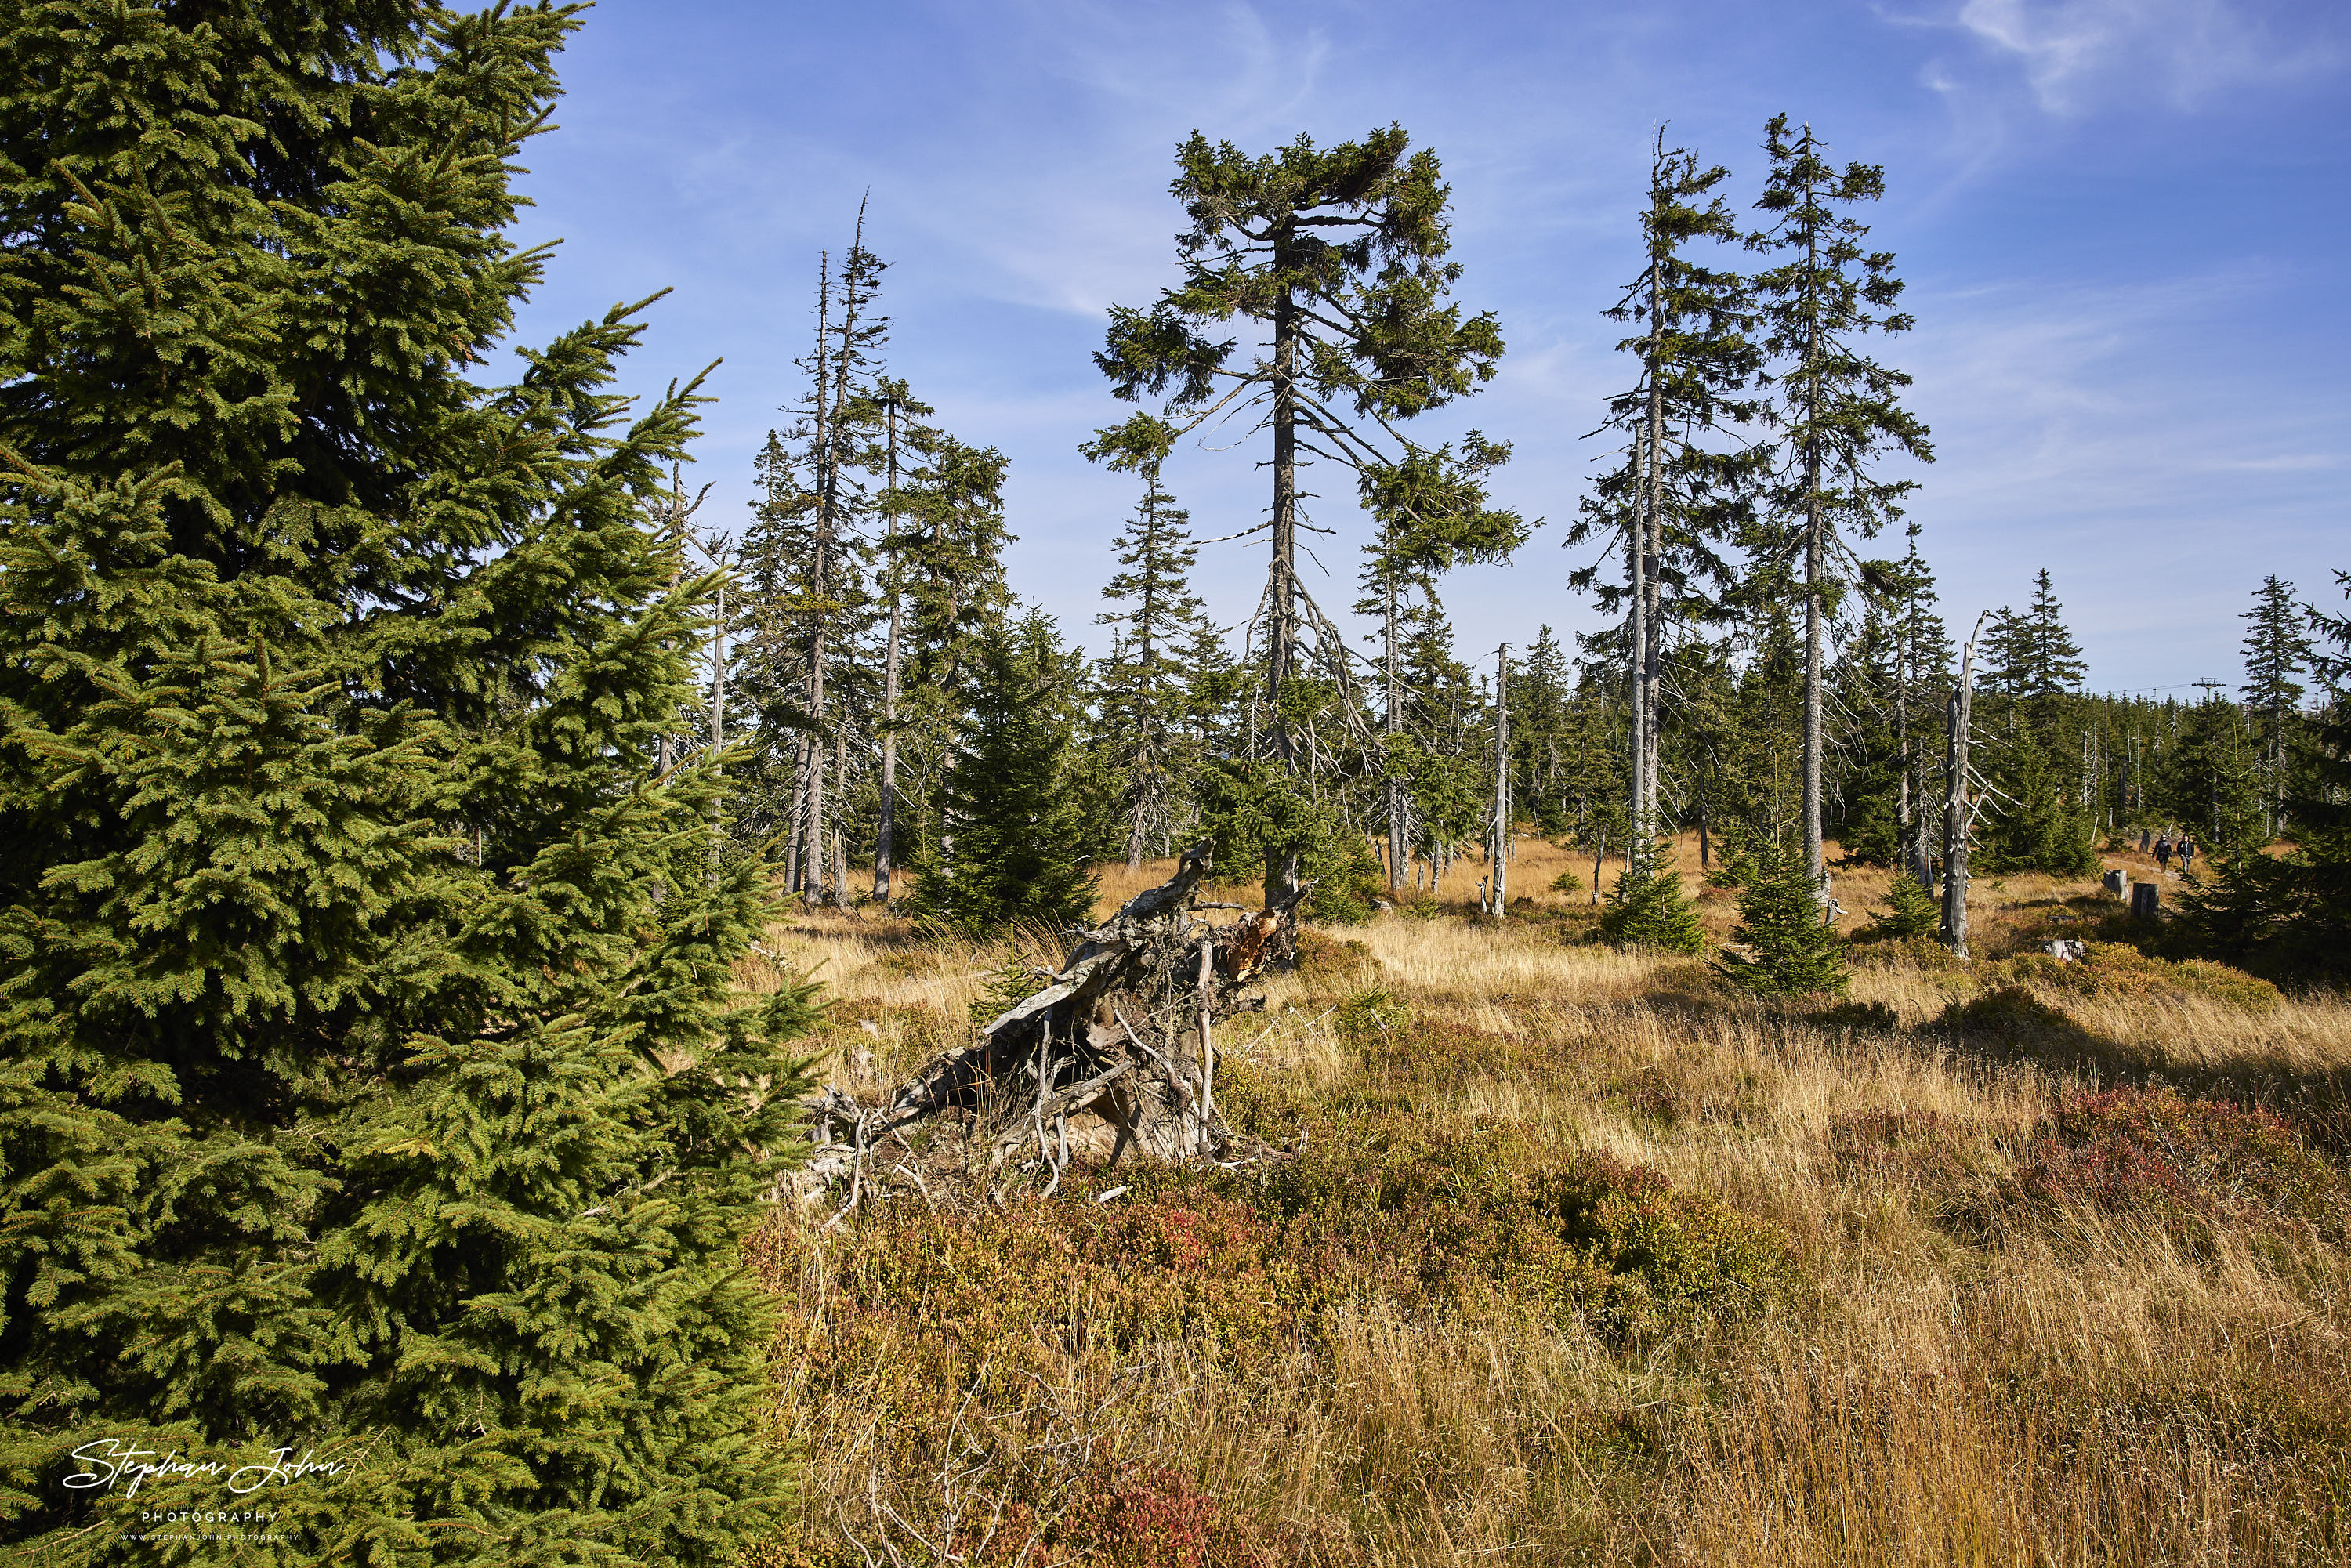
(1959, 1377)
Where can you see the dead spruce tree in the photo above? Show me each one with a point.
(1116, 1055)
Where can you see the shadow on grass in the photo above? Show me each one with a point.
(2011, 1027)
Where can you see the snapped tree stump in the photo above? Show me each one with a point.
(1115, 1056)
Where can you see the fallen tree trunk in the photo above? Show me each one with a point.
(1115, 1055)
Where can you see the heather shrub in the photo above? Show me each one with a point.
(1465, 1217)
(1320, 953)
(2116, 968)
(1683, 1091)
(2150, 1151)
(1151, 1516)
(1921, 1148)
(1666, 1255)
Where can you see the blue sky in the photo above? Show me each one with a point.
(2123, 224)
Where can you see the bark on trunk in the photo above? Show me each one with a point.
(1393, 726)
(1956, 808)
(886, 789)
(1651, 649)
(1501, 853)
(1281, 863)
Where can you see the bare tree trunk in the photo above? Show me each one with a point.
(799, 805)
(1651, 650)
(1956, 811)
(1281, 867)
(886, 787)
(1905, 828)
(840, 893)
(1636, 639)
(1393, 726)
(810, 858)
(1501, 855)
(1815, 862)
(1705, 813)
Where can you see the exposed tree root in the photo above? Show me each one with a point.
(1116, 1056)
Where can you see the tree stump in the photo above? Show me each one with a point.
(1117, 1049)
(2119, 883)
(2146, 901)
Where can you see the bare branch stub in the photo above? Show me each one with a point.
(1114, 1057)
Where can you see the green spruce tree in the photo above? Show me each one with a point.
(2211, 783)
(1010, 841)
(1335, 257)
(2277, 652)
(2289, 917)
(2036, 670)
(1648, 907)
(374, 1083)
(1837, 413)
(1790, 950)
(1675, 500)
(1139, 688)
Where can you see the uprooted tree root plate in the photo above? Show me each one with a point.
(1116, 1056)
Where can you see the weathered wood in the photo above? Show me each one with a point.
(1124, 1034)
(2147, 900)
(1958, 812)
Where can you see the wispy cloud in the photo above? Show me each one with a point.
(2074, 54)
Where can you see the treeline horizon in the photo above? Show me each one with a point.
(1762, 676)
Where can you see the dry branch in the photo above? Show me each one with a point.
(1117, 1055)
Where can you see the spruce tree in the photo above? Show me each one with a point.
(2277, 651)
(1921, 676)
(1911, 912)
(1837, 413)
(374, 1082)
(2036, 668)
(1141, 686)
(895, 409)
(1648, 907)
(2212, 782)
(1431, 517)
(1791, 950)
(2291, 916)
(949, 548)
(1010, 845)
(1675, 502)
(1337, 257)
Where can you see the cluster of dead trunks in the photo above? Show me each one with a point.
(1115, 1056)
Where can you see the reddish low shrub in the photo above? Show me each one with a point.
(1150, 1516)
(2152, 1151)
